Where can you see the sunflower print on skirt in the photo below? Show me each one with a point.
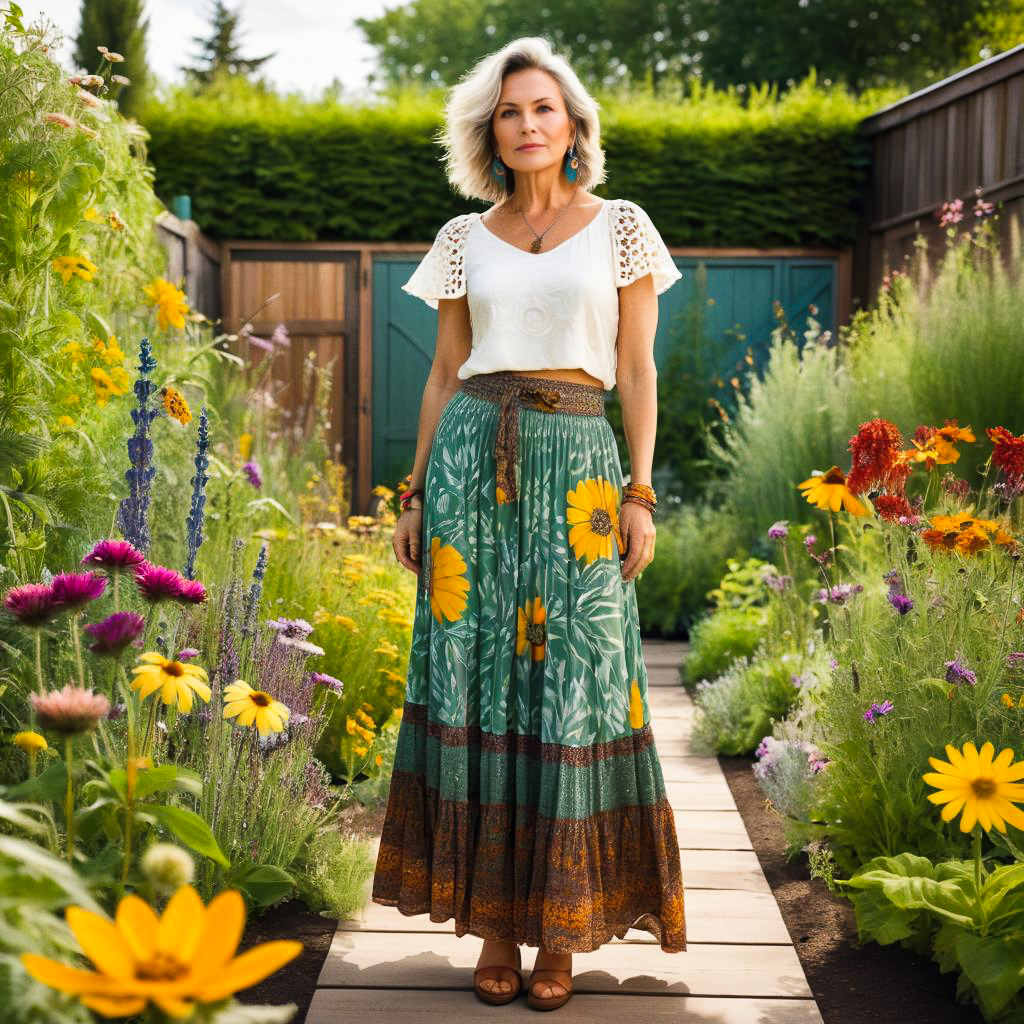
(530, 630)
(594, 514)
(444, 577)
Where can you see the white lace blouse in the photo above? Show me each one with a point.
(556, 309)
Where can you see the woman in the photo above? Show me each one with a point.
(527, 800)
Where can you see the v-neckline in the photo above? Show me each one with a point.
(546, 252)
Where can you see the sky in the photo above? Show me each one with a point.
(315, 41)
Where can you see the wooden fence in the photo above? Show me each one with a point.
(936, 145)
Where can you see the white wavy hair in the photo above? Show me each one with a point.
(467, 136)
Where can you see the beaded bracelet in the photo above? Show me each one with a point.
(406, 498)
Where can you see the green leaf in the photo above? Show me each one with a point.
(34, 860)
(50, 784)
(879, 920)
(993, 964)
(265, 884)
(20, 816)
(192, 830)
(168, 776)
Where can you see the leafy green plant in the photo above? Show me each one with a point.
(721, 638)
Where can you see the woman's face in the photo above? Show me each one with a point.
(531, 112)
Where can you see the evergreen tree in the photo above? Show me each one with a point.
(119, 26)
(220, 52)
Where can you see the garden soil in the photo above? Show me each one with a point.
(869, 984)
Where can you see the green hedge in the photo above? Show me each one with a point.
(712, 168)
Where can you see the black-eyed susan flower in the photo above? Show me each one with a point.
(593, 517)
(184, 957)
(445, 580)
(531, 629)
(175, 680)
(829, 491)
(254, 707)
(986, 789)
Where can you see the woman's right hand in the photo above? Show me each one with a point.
(406, 538)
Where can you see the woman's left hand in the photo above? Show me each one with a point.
(636, 525)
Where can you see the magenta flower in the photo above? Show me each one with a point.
(74, 590)
(115, 632)
(187, 654)
(32, 604)
(323, 679)
(191, 592)
(115, 555)
(157, 583)
(252, 473)
(73, 709)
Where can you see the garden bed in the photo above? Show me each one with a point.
(852, 984)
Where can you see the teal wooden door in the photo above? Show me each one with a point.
(736, 296)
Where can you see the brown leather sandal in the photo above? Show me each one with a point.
(500, 972)
(563, 978)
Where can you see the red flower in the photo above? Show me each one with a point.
(875, 463)
(114, 554)
(157, 583)
(1008, 451)
(891, 506)
(191, 592)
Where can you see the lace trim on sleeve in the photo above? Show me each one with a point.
(640, 249)
(441, 273)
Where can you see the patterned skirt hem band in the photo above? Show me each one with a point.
(512, 391)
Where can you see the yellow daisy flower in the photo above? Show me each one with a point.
(254, 707)
(30, 742)
(176, 680)
(636, 706)
(445, 580)
(74, 266)
(984, 788)
(829, 491)
(593, 517)
(184, 957)
(531, 629)
(170, 303)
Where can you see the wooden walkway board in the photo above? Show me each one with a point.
(739, 967)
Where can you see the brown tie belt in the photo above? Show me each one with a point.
(512, 391)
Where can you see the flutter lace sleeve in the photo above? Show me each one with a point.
(639, 248)
(441, 273)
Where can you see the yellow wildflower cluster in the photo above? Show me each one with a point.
(244, 447)
(363, 726)
(964, 533)
(171, 304)
(1008, 701)
(328, 498)
(96, 217)
(387, 648)
(102, 364)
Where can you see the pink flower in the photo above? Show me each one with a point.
(71, 710)
(32, 604)
(191, 592)
(115, 632)
(157, 583)
(74, 590)
(116, 555)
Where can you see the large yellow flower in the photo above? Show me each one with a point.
(532, 628)
(593, 517)
(986, 789)
(170, 303)
(174, 961)
(254, 707)
(446, 580)
(829, 491)
(176, 680)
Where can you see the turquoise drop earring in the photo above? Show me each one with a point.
(572, 164)
(498, 170)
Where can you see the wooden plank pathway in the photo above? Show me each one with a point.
(739, 967)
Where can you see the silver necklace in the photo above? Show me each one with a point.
(537, 239)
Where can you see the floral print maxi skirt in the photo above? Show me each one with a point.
(527, 801)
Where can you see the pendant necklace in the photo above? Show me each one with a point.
(537, 239)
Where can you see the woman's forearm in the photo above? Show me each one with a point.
(638, 396)
(436, 394)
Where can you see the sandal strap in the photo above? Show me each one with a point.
(558, 977)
